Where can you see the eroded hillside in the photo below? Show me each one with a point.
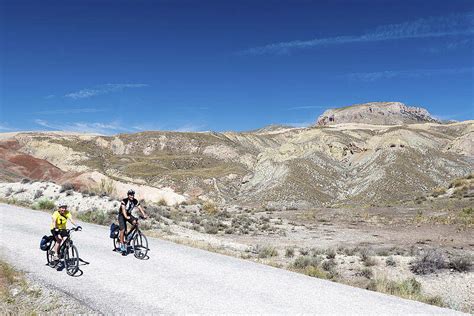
(320, 165)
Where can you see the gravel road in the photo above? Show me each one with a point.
(178, 279)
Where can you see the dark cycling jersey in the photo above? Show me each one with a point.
(129, 205)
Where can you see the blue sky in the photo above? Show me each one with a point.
(127, 66)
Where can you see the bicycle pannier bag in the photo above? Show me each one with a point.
(45, 243)
(114, 230)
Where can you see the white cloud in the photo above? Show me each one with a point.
(85, 127)
(190, 128)
(416, 73)
(308, 107)
(70, 111)
(421, 28)
(103, 89)
(4, 127)
(299, 124)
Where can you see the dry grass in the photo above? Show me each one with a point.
(210, 207)
(409, 288)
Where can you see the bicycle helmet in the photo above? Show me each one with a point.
(62, 205)
(131, 192)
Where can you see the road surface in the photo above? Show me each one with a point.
(177, 279)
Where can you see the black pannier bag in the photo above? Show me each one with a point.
(45, 242)
(114, 230)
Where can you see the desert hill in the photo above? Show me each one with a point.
(333, 162)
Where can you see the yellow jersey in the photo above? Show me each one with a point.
(60, 220)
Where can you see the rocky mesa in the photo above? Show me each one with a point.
(380, 113)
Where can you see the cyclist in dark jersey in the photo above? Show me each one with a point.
(125, 215)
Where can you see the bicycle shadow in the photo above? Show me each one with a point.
(130, 252)
(60, 266)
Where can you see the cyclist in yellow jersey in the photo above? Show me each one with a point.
(58, 226)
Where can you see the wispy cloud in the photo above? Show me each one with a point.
(455, 116)
(190, 127)
(85, 127)
(103, 89)
(308, 107)
(298, 124)
(70, 111)
(5, 128)
(460, 24)
(416, 73)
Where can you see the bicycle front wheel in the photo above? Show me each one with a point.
(71, 260)
(140, 245)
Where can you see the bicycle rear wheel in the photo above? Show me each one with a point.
(49, 256)
(71, 259)
(140, 245)
(116, 241)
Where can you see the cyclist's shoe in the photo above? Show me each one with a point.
(124, 253)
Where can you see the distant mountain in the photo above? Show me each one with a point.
(272, 128)
(379, 113)
(356, 163)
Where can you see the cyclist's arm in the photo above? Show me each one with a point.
(142, 211)
(72, 221)
(55, 225)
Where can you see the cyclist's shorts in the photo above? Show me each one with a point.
(123, 222)
(61, 232)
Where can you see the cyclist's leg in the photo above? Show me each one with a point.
(58, 239)
(122, 227)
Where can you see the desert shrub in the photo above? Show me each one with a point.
(350, 251)
(384, 252)
(229, 230)
(45, 204)
(331, 253)
(66, 187)
(304, 251)
(106, 187)
(438, 191)
(428, 262)
(366, 273)
(366, 258)
(305, 261)
(209, 207)
(38, 194)
(409, 288)
(20, 190)
(211, 227)
(96, 216)
(266, 251)
(458, 183)
(162, 202)
(390, 262)
(316, 272)
(25, 180)
(369, 261)
(8, 192)
(460, 264)
(289, 252)
(329, 265)
(420, 199)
